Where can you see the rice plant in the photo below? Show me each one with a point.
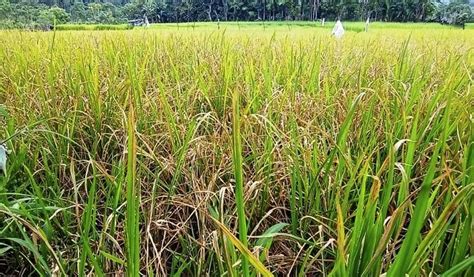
(238, 152)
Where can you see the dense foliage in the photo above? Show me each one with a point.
(31, 13)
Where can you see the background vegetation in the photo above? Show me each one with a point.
(38, 13)
(277, 151)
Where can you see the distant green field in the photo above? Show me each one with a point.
(349, 26)
(92, 27)
(294, 25)
(308, 24)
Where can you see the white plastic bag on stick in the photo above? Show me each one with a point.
(3, 159)
(338, 30)
(147, 23)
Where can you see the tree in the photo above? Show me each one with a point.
(24, 13)
(59, 15)
(79, 12)
(458, 13)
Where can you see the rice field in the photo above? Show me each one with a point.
(237, 152)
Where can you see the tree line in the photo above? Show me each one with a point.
(30, 13)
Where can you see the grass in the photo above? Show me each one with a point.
(238, 151)
(238, 169)
(133, 199)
